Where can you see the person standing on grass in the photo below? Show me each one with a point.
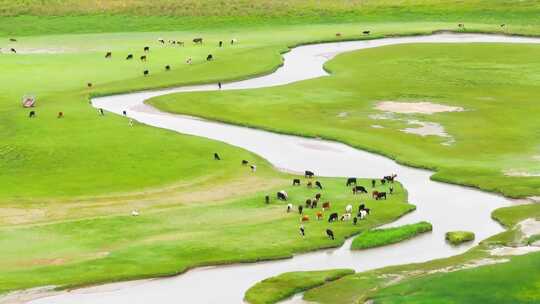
(101, 112)
(219, 85)
(302, 231)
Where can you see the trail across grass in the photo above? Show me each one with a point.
(174, 239)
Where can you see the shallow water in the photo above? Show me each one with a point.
(447, 207)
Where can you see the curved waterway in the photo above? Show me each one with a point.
(447, 207)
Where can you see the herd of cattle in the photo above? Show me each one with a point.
(146, 50)
(312, 203)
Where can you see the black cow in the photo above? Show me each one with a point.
(308, 203)
(350, 181)
(244, 162)
(333, 217)
(300, 209)
(124, 113)
(390, 178)
(383, 181)
(220, 44)
(146, 49)
(198, 41)
(14, 51)
(216, 156)
(12, 39)
(366, 32)
(108, 55)
(89, 84)
(32, 114)
(145, 73)
(143, 58)
(359, 189)
(361, 207)
(355, 220)
(330, 234)
(314, 203)
(296, 182)
(281, 195)
(161, 41)
(129, 57)
(318, 184)
(318, 196)
(167, 68)
(209, 57)
(267, 199)
(309, 174)
(180, 43)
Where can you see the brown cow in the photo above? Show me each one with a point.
(326, 205)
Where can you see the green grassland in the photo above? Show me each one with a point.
(447, 280)
(275, 289)
(386, 236)
(170, 240)
(458, 237)
(492, 136)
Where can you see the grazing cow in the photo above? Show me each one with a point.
(362, 214)
(143, 58)
(145, 73)
(379, 195)
(359, 189)
(308, 203)
(461, 26)
(12, 39)
(366, 32)
(161, 40)
(198, 41)
(314, 203)
(330, 234)
(350, 181)
(135, 212)
(361, 207)
(167, 68)
(209, 57)
(289, 207)
(319, 215)
(309, 184)
(89, 84)
(309, 174)
(180, 43)
(32, 114)
(129, 57)
(267, 199)
(300, 209)
(390, 178)
(305, 218)
(296, 182)
(233, 41)
(253, 168)
(355, 220)
(348, 208)
(345, 217)
(216, 156)
(302, 231)
(326, 205)
(318, 196)
(108, 55)
(14, 51)
(383, 181)
(146, 49)
(318, 184)
(373, 182)
(60, 115)
(244, 162)
(503, 25)
(282, 195)
(338, 34)
(333, 217)
(220, 43)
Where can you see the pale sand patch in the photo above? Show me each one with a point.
(27, 295)
(343, 114)
(426, 129)
(377, 126)
(415, 107)
(502, 251)
(529, 227)
(518, 173)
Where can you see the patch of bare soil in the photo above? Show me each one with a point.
(415, 107)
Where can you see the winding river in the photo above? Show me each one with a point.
(448, 207)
